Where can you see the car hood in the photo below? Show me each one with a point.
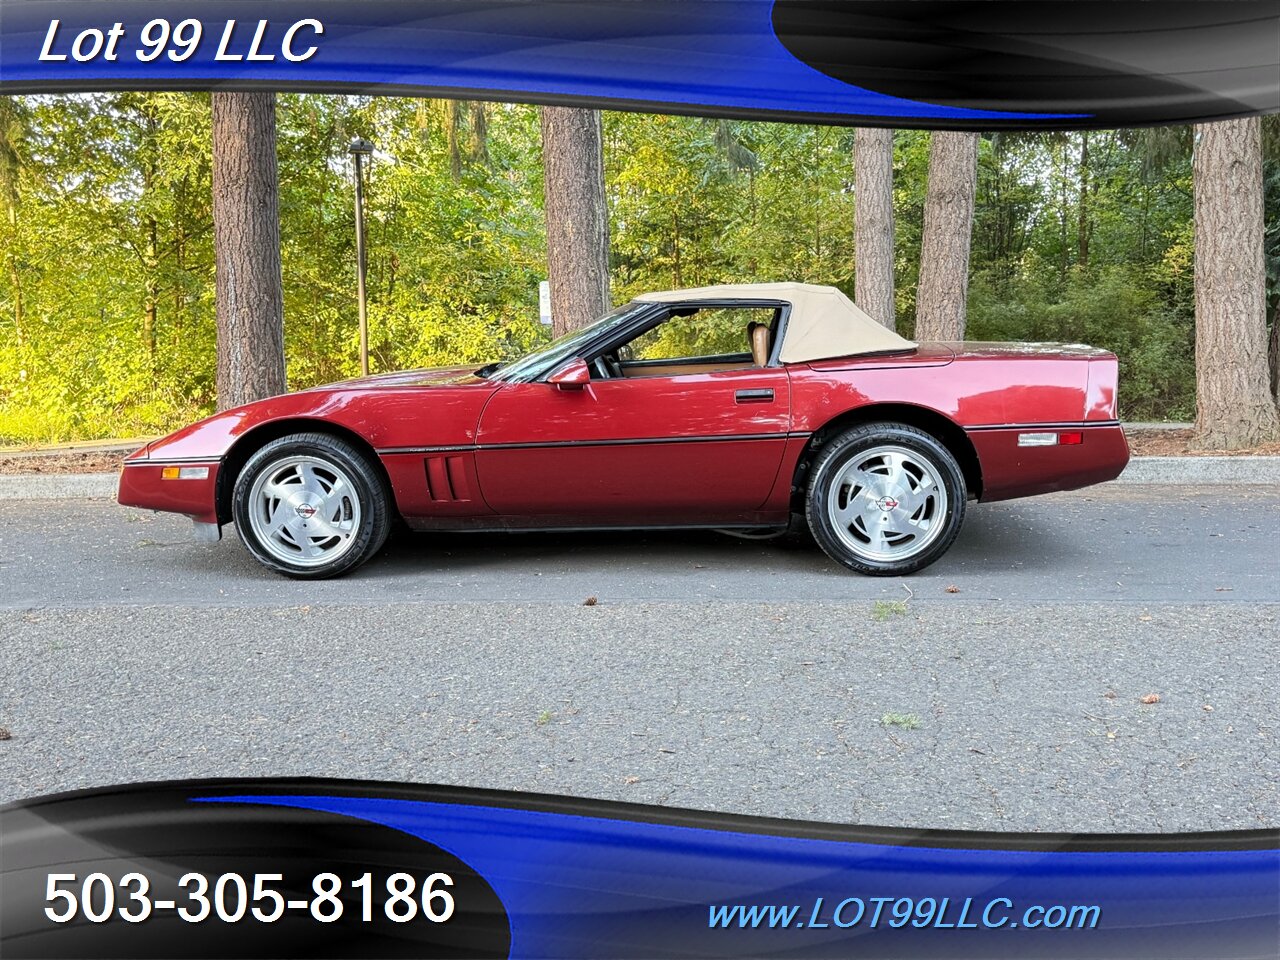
(428, 376)
(365, 406)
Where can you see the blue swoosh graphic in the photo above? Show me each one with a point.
(578, 885)
(680, 53)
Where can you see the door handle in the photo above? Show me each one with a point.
(753, 396)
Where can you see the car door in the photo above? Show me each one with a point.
(697, 447)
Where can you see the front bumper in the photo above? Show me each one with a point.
(142, 484)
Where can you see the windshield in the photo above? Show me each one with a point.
(564, 347)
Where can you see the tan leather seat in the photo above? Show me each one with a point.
(759, 335)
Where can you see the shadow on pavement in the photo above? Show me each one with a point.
(993, 538)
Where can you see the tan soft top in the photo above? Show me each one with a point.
(824, 323)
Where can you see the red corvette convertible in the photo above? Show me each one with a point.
(732, 407)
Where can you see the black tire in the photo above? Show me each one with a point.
(329, 457)
(925, 449)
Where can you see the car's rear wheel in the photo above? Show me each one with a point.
(311, 506)
(885, 499)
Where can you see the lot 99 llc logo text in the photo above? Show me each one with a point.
(181, 41)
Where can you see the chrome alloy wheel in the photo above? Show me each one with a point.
(304, 510)
(887, 503)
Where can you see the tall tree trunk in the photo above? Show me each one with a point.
(1060, 154)
(948, 229)
(577, 216)
(15, 277)
(677, 269)
(817, 196)
(150, 252)
(11, 133)
(246, 240)
(469, 119)
(152, 293)
(873, 223)
(20, 334)
(1234, 406)
(179, 253)
(1083, 225)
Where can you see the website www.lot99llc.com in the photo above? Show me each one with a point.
(897, 912)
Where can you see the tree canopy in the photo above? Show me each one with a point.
(107, 288)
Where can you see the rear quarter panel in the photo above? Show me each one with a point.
(977, 388)
(993, 392)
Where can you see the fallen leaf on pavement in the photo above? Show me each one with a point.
(590, 601)
(630, 780)
(952, 588)
(1150, 698)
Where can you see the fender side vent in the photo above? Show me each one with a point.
(447, 479)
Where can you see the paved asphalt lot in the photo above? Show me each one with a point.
(712, 673)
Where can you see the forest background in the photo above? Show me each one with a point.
(107, 323)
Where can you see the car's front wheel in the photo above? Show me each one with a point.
(310, 505)
(885, 499)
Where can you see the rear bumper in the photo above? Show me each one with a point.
(142, 485)
(1010, 470)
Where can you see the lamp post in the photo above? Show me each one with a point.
(359, 149)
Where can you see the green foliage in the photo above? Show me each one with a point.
(1117, 309)
(1101, 252)
(106, 228)
(107, 298)
(106, 260)
(696, 202)
(711, 332)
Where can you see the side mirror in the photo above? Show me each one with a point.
(571, 375)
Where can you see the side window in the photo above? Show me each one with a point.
(712, 332)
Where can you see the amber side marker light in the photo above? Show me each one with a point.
(1050, 439)
(184, 473)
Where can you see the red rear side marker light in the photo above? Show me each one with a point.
(1075, 436)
